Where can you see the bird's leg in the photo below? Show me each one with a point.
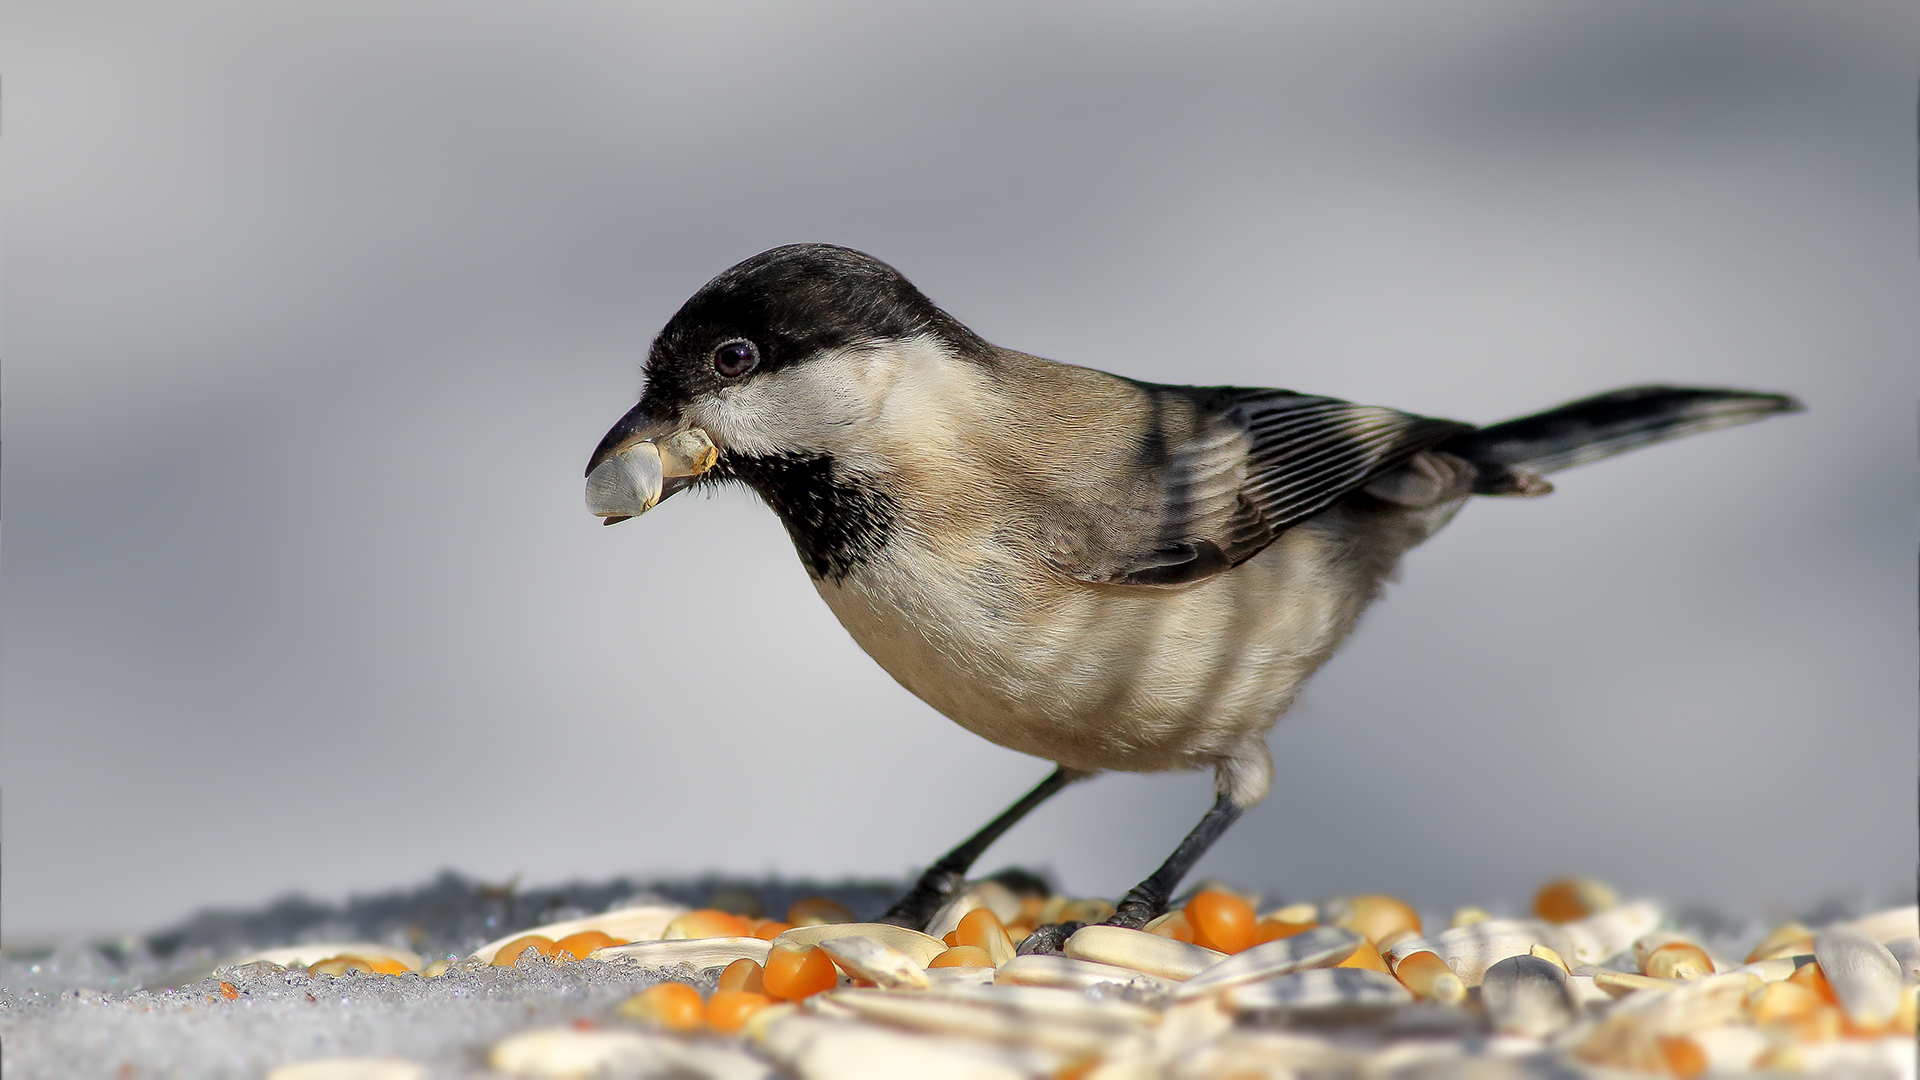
(1147, 900)
(943, 879)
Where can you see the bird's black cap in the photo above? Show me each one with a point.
(792, 303)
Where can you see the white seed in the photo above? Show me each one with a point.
(921, 947)
(1621, 983)
(308, 955)
(1629, 1036)
(699, 953)
(1067, 973)
(626, 484)
(1276, 1054)
(350, 1069)
(876, 962)
(1319, 988)
(566, 1052)
(1731, 1048)
(1528, 995)
(1864, 975)
(643, 923)
(1906, 953)
(1884, 926)
(817, 1048)
(987, 894)
(1772, 970)
(1137, 949)
(1061, 1020)
(1320, 947)
(956, 978)
(686, 453)
(1598, 937)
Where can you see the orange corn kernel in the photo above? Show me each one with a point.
(1791, 939)
(1782, 1002)
(951, 937)
(1175, 926)
(386, 965)
(1019, 931)
(729, 1010)
(1682, 1056)
(1366, 956)
(510, 952)
(962, 956)
(797, 971)
(1678, 960)
(672, 1005)
(818, 911)
(229, 991)
(1221, 921)
(1374, 916)
(1030, 909)
(1570, 899)
(581, 945)
(1811, 977)
(982, 929)
(768, 929)
(1430, 978)
(707, 922)
(743, 974)
(1274, 929)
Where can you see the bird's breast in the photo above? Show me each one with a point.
(1095, 677)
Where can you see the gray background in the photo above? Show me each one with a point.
(313, 312)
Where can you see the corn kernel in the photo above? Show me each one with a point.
(1678, 960)
(229, 991)
(1019, 931)
(1368, 957)
(1468, 916)
(798, 971)
(818, 911)
(1811, 977)
(1220, 921)
(581, 945)
(705, 923)
(962, 956)
(1274, 929)
(729, 1010)
(671, 1005)
(1374, 916)
(742, 974)
(1173, 925)
(1791, 939)
(768, 929)
(1430, 978)
(1681, 1055)
(1571, 899)
(1781, 1002)
(510, 952)
(982, 929)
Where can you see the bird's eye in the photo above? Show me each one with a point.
(735, 358)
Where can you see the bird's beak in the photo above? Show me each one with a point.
(642, 461)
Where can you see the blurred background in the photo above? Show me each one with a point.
(314, 311)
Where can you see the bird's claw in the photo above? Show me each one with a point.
(1048, 940)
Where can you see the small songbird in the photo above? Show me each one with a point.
(1101, 572)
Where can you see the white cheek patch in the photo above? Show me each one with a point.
(843, 404)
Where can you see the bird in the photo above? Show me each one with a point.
(1098, 571)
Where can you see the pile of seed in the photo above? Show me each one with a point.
(1218, 987)
(1351, 986)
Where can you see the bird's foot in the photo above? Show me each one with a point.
(927, 896)
(1048, 940)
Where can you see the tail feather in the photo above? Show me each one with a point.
(1605, 425)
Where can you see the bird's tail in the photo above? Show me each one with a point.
(1514, 454)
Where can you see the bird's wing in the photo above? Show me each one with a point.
(1234, 468)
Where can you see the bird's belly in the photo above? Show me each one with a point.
(1103, 677)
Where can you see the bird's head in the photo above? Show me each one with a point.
(784, 357)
